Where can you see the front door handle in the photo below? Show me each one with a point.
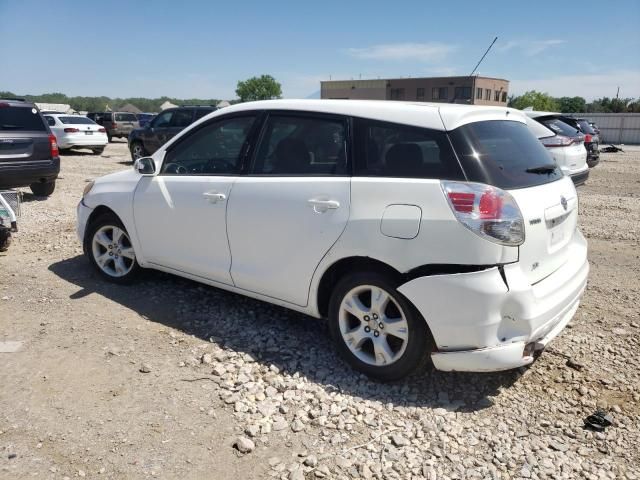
(215, 197)
(321, 206)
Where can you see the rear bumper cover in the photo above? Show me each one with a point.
(482, 323)
(24, 173)
(580, 178)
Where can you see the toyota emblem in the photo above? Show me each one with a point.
(563, 202)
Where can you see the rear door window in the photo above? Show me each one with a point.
(21, 119)
(503, 153)
(392, 150)
(302, 145)
(585, 127)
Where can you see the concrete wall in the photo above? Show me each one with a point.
(615, 127)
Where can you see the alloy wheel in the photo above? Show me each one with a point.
(373, 326)
(112, 251)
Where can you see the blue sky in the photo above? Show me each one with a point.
(201, 49)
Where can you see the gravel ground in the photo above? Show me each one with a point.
(172, 379)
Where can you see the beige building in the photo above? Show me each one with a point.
(469, 90)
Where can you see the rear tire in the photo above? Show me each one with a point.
(377, 331)
(98, 151)
(108, 247)
(5, 239)
(43, 189)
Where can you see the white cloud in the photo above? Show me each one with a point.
(529, 47)
(589, 86)
(423, 52)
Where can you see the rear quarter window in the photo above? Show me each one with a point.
(502, 153)
(21, 119)
(384, 149)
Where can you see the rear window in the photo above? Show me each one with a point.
(393, 150)
(77, 120)
(560, 127)
(585, 127)
(126, 117)
(21, 119)
(503, 153)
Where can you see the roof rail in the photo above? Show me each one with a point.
(12, 99)
(197, 106)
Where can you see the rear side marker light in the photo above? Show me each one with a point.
(489, 212)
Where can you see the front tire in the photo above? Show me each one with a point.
(43, 189)
(137, 151)
(110, 251)
(376, 329)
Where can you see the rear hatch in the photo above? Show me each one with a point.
(505, 154)
(24, 136)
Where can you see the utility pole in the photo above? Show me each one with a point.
(618, 93)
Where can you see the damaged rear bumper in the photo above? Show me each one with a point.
(483, 322)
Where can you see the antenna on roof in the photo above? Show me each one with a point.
(485, 54)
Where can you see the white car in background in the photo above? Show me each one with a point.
(421, 231)
(564, 142)
(77, 131)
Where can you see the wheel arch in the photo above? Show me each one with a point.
(97, 213)
(343, 266)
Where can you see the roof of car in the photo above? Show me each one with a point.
(440, 116)
(17, 102)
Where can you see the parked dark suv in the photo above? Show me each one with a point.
(591, 138)
(145, 141)
(117, 124)
(28, 149)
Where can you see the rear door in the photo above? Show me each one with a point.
(285, 215)
(24, 138)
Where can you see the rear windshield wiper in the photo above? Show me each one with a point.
(11, 127)
(542, 169)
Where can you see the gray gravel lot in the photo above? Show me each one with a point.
(171, 379)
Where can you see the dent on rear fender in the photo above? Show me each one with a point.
(467, 310)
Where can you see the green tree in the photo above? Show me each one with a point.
(609, 105)
(572, 104)
(264, 87)
(536, 100)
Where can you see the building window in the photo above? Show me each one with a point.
(397, 94)
(420, 94)
(497, 96)
(463, 93)
(440, 93)
(479, 93)
(487, 94)
(504, 97)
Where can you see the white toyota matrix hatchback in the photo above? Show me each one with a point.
(421, 231)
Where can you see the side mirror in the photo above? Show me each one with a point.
(145, 166)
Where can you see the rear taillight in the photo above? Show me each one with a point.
(71, 130)
(557, 141)
(53, 146)
(102, 130)
(487, 211)
(114, 125)
(587, 138)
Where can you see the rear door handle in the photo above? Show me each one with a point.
(215, 197)
(321, 206)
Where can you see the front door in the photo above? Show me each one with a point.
(286, 214)
(180, 213)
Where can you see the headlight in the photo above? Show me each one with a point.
(87, 188)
